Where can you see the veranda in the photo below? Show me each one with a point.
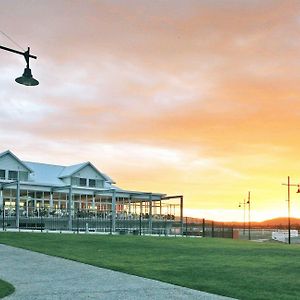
(69, 208)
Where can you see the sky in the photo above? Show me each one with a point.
(200, 98)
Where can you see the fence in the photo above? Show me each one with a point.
(44, 219)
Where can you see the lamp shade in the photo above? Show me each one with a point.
(27, 79)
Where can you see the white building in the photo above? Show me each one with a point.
(66, 197)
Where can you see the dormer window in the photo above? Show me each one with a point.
(82, 181)
(23, 176)
(2, 174)
(12, 175)
(92, 183)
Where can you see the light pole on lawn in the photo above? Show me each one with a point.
(26, 78)
(288, 184)
(249, 218)
(244, 208)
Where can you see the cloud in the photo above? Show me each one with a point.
(208, 90)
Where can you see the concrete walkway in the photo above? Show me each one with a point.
(43, 277)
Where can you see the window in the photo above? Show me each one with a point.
(12, 175)
(2, 174)
(92, 182)
(82, 181)
(23, 176)
(75, 181)
(99, 183)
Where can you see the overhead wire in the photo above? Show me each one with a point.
(14, 42)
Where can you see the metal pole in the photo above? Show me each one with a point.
(3, 215)
(181, 214)
(244, 217)
(249, 222)
(18, 202)
(113, 210)
(203, 227)
(70, 209)
(150, 213)
(140, 223)
(186, 226)
(289, 210)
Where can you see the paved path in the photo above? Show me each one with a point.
(39, 276)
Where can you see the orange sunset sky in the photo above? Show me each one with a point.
(200, 98)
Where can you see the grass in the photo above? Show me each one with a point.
(239, 269)
(5, 289)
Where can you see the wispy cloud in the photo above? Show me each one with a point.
(200, 98)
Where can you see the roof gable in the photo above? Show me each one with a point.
(8, 152)
(71, 170)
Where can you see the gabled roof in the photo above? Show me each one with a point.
(16, 158)
(45, 173)
(71, 170)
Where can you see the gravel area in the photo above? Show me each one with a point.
(43, 277)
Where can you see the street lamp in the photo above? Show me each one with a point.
(244, 207)
(289, 204)
(249, 222)
(26, 78)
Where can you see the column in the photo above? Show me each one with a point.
(93, 202)
(150, 213)
(51, 200)
(18, 203)
(70, 209)
(113, 211)
(181, 214)
(1, 198)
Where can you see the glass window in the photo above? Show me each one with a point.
(75, 181)
(23, 176)
(12, 175)
(92, 182)
(99, 183)
(2, 174)
(82, 181)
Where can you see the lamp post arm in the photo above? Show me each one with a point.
(18, 52)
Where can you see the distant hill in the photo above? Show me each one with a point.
(276, 222)
(280, 221)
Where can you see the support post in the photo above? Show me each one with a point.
(150, 213)
(203, 227)
(249, 220)
(70, 209)
(93, 202)
(289, 209)
(51, 200)
(140, 223)
(18, 203)
(186, 226)
(113, 211)
(181, 214)
(1, 198)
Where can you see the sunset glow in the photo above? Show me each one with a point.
(200, 98)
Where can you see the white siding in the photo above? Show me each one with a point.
(88, 172)
(8, 162)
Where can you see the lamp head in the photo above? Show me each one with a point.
(298, 190)
(26, 78)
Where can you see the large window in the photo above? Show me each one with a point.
(23, 176)
(99, 183)
(75, 181)
(92, 182)
(2, 174)
(12, 175)
(82, 181)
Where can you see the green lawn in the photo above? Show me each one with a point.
(5, 288)
(240, 269)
